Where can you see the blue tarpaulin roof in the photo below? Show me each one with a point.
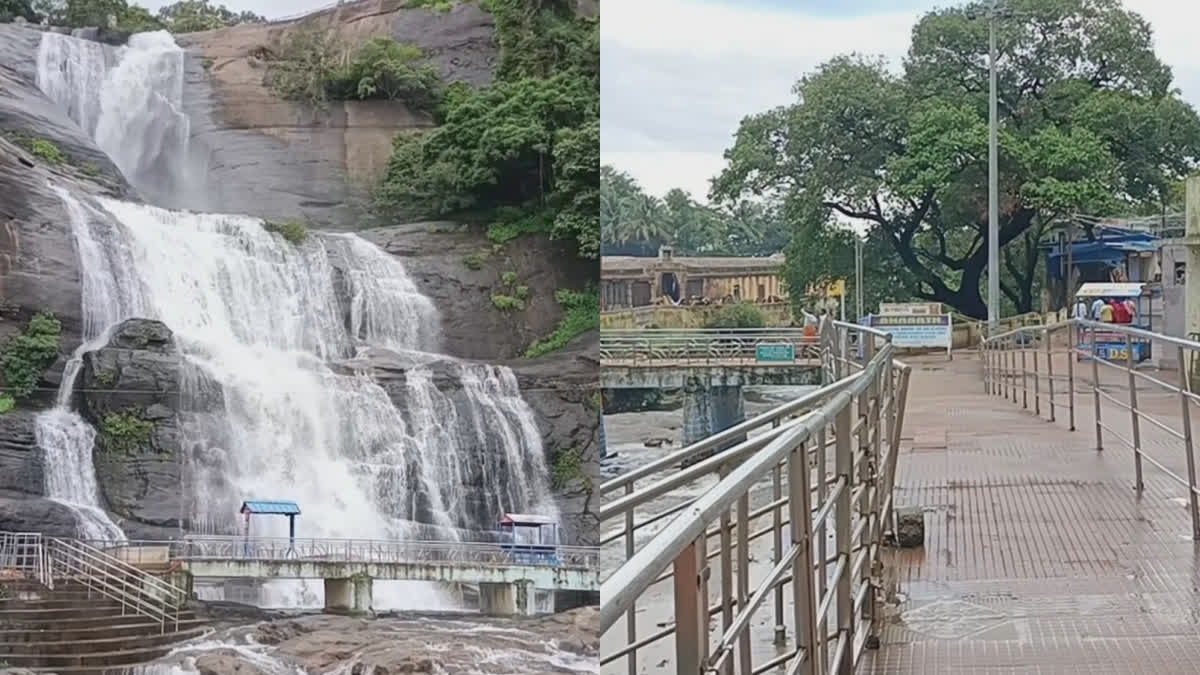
(282, 508)
(1112, 248)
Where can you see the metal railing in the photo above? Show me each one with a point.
(707, 346)
(276, 549)
(1046, 367)
(857, 415)
(52, 561)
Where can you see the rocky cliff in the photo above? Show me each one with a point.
(277, 159)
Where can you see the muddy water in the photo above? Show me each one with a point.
(626, 433)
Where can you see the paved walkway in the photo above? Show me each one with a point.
(1039, 557)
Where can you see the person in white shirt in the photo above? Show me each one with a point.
(1097, 309)
(1081, 309)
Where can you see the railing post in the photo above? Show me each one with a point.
(725, 540)
(1049, 370)
(1071, 374)
(631, 615)
(1006, 356)
(691, 608)
(777, 540)
(985, 357)
(1037, 381)
(800, 517)
(822, 531)
(845, 467)
(1024, 375)
(1096, 389)
(1185, 406)
(1133, 416)
(743, 578)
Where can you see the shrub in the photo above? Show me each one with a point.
(568, 466)
(42, 148)
(27, 355)
(7, 403)
(126, 433)
(581, 313)
(509, 278)
(295, 231)
(738, 315)
(522, 292)
(507, 303)
(475, 260)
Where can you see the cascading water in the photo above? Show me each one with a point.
(130, 100)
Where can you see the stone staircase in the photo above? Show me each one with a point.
(74, 630)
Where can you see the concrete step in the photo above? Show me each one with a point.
(143, 626)
(102, 643)
(124, 657)
(72, 618)
(57, 602)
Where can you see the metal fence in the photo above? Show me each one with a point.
(1045, 368)
(708, 346)
(856, 417)
(350, 550)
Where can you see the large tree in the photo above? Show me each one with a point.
(1089, 123)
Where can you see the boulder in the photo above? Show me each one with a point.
(20, 460)
(130, 393)
(910, 527)
(20, 513)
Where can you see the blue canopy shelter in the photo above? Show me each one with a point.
(279, 508)
(1113, 247)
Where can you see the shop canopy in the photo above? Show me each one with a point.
(1111, 290)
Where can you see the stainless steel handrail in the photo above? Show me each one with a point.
(861, 405)
(1019, 366)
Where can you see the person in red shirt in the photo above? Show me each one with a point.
(1120, 312)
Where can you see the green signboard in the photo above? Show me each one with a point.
(776, 353)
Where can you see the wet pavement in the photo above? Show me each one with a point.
(1039, 555)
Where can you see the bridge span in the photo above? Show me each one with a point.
(507, 579)
(1044, 550)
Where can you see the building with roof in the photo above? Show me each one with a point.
(629, 281)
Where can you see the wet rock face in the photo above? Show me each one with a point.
(20, 513)
(129, 392)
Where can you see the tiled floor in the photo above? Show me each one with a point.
(1039, 556)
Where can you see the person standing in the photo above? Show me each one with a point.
(1097, 307)
(1081, 309)
(1106, 312)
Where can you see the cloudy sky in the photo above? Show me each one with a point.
(678, 75)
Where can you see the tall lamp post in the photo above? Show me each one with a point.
(993, 182)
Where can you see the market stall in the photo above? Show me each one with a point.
(1111, 345)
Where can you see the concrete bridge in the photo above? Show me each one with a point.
(1053, 499)
(710, 366)
(506, 579)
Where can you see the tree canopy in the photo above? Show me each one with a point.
(185, 16)
(636, 223)
(522, 153)
(192, 16)
(1088, 123)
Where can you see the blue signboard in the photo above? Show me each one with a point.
(775, 353)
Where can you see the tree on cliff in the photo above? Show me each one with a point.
(191, 16)
(522, 153)
(11, 9)
(1089, 122)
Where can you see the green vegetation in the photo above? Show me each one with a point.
(126, 433)
(902, 153)
(27, 355)
(568, 466)
(581, 313)
(207, 63)
(524, 152)
(507, 303)
(105, 378)
(311, 66)
(294, 231)
(475, 260)
(437, 5)
(522, 292)
(737, 315)
(181, 17)
(509, 278)
(7, 403)
(91, 169)
(42, 148)
(635, 223)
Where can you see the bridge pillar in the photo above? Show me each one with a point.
(350, 596)
(708, 409)
(510, 599)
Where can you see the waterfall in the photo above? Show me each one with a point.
(274, 402)
(130, 100)
(263, 321)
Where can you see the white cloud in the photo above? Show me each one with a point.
(677, 75)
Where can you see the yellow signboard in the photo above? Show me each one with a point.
(830, 289)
